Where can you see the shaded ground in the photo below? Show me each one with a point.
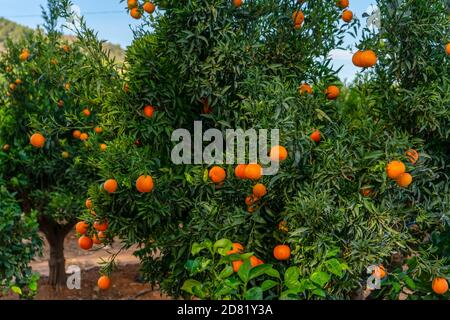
(125, 279)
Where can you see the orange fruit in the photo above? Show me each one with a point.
(412, 155)
(315, 136)
(98, 130)
(12, 86)
(253, 171)
(342, 4)
(65, 154)
(259, 190)
(254, 261)
(252, 208)
(110, 185)
(81, 227)
(237, 3)
(103, 147)
(88, 203)
(86, 112)
(18, 81)
(144, 184)
(149, 7)
(332, 92)
(85, 243)
(237, 265)
(305, 89)
(84, 136)
(67, 86)
(379, 272)
(439, 285)
(298, 17)
(76, 134)
(447, 48)
(37, 140)
(60, 103)
(278, 153)
(394, 169)
(135, 13)
(96, 239)
(404, 180)
(132, 4)
(251, 199)
(54, 62)
(66, 48)
(237, 248)
(148, 111)
(217, 174)
(347, 16)
(239, 171)
(356, 59)
(104, 282)
(100, 226)
(282, 252)
(368, 58)
(24, 55)
(6, 147)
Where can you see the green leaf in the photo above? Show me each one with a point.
(223, 243)
(335, 267)
(268, 284)
(257, 271)
(321, 278)
(291, 277)
(409, 282)
(319, 292)
(226, 272)
(273, 273)
(244, 271)
(197, 247)
(16, 290)
(189, 285)
(255, 293)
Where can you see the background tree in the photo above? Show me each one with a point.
(48, 122)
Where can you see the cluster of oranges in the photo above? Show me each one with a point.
(364, 58)
(136, 11)
(144, 184)
(347, 15)
(396, 170)
(24, 55)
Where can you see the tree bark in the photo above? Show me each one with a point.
(55, 234)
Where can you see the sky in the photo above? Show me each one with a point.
(110, 20)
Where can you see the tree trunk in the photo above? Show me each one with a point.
(55, 235)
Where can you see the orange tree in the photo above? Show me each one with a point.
(410, 90)
(47, 123)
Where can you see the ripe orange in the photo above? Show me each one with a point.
(104, 282)
(315, 136)
(439, 285)
(96, 239)
(254, 261)
(342, 4)
(132, 4)
(347, 16)
(412, 155)
(54, 62)
(356, 59)
(37, 140)
(65, 154)
(6, 147)
(239, 171)
(110, 185)
(81, 227)
(368, 58)
(447, 48)
(237, 265)
(237, 3)
(88, 203)
(144, 184)
(67, 86)
(332, 92)
(103, 147)
(86, 112)
(237, 248)
(149, 7)
(135, 13)
(253, 171)
(278, 153)
(394, 169)
(24, 55)
(298, 17)
(259, 190)
(66, 48)
(101, 226)
(98, 130)
(76, 134)
(84, 136)
(12, 86)
(18, 81)
(250, 200)
(60, 103)
(305, 89)
(404, 180)
(379, 272)
(85, 243)
(148, 111)
(282, 252)
(217, 174)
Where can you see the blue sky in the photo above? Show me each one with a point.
(109, 18)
